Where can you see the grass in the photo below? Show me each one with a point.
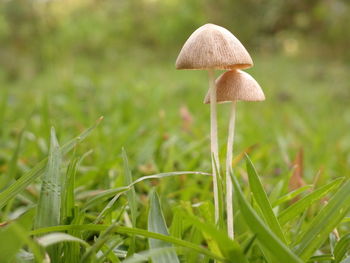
(108, 209)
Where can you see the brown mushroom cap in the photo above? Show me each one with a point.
(213, 47)
(236, 85)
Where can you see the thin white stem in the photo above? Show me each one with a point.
(214, 141)
(229, 170)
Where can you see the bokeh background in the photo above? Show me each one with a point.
(38, 34)
(65, 63)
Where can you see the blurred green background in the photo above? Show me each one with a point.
(65, 63)
(36, 35)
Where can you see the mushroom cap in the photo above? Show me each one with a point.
(236, 85)
(213, 47)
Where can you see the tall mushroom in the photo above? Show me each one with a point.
(232, 86)
(213, 47)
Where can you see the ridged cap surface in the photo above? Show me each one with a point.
(236, 85)
(213, 47)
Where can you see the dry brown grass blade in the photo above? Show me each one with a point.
(240, 156)
(296, 181)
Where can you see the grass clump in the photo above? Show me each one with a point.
(134, 208)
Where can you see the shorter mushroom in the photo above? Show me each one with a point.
(236, 85)
(232, 86)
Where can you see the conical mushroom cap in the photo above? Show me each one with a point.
(236, 85)
(213, 47)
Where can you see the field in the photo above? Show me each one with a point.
(81, 204)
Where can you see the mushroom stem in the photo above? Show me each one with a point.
(214, 141)
(229, 171)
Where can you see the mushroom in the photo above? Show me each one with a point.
(232, 86)
(236, 85)
(213, 47)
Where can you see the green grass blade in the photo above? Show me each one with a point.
(48, 212)
(13, 163)
(131, 192)
(68, 196)
(156, 223)
(55, 238)
(151, 253)
(14, 235)
(117, 192)
(113, 192)
(131, 195)
(103, 196)
(72, 250)
(130, 231)
(102, 239)
(262, 200)
(265, 236)
(321, 258)
(249, 245)
(68, 187)
(108, 253)
(49, 203)
(69, 212)
(291, 195)
(229, 248)
(297, 208)
(206, 212)
(341, 248)
(108, 208)
(34, 247)
(16, 187)
(324, 223)
(176, 227)
(346, 220)
(195, 236)
(221, 194)
(71, 144)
